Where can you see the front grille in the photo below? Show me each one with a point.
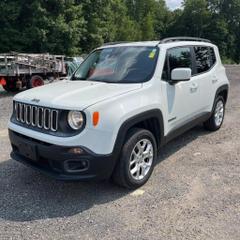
(35, 116)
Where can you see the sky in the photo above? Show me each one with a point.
(173, 4)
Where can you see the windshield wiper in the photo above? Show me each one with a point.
(78, 78)
(96, 80)
(87, 79)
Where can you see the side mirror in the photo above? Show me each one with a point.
(181, 74)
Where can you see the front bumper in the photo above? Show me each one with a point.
(60, 162)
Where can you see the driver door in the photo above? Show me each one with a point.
(180, 97)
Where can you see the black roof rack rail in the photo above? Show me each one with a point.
(176, 39)
(115, 43)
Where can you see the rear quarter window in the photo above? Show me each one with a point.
(212, 56)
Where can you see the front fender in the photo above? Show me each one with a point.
(120, 114)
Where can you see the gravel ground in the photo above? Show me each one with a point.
(194, 192)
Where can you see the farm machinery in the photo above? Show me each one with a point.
(18, 70)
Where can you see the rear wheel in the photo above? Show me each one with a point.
(217, 117)
(35, 81)
(10, 85)
(137, 159)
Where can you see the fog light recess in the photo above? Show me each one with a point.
(74, 166)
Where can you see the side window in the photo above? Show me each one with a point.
(212, 55)
(203, 60)
(179, 57)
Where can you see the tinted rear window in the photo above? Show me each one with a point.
(212, 55)
(203, 60)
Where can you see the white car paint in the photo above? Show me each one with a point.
(118, 102)
(179, 74)
(76, 95)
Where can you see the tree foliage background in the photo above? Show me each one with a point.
(73, 27)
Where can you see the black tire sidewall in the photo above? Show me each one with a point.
(219, 98)
(126, 153)
(10, 89)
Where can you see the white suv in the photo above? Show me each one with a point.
(123, 103)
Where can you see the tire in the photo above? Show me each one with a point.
(35, 81)
(10, 86)
(122, 174)
(216, 120)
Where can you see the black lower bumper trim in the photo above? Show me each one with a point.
(53, 160)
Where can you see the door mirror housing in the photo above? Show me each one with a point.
(181, 74)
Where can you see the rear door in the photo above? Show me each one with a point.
(203, 77)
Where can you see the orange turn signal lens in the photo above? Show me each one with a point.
(76, 150)
(95, 118)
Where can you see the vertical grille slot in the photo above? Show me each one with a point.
(35, 116)
(22, 113)
(54, 120)
(47, 118)
(17, 109)
(40, 117)
(28, 114)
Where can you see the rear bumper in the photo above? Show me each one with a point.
(58, 162)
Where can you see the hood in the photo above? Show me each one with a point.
(77, 95)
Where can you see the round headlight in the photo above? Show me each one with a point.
(75, 120)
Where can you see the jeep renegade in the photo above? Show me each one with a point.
(125, 101)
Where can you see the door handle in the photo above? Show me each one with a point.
(214, 80)
(193, 88)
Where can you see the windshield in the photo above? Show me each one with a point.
(119, 65)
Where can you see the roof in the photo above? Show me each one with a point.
(121, 44)
(170, 42)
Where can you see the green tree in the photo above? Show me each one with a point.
(41, 26)
(96, 15)
(151, 16)
(75, 26)
(227, 15)
(194, 19)
(148, 28)
(123, 28)
(10, 32)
